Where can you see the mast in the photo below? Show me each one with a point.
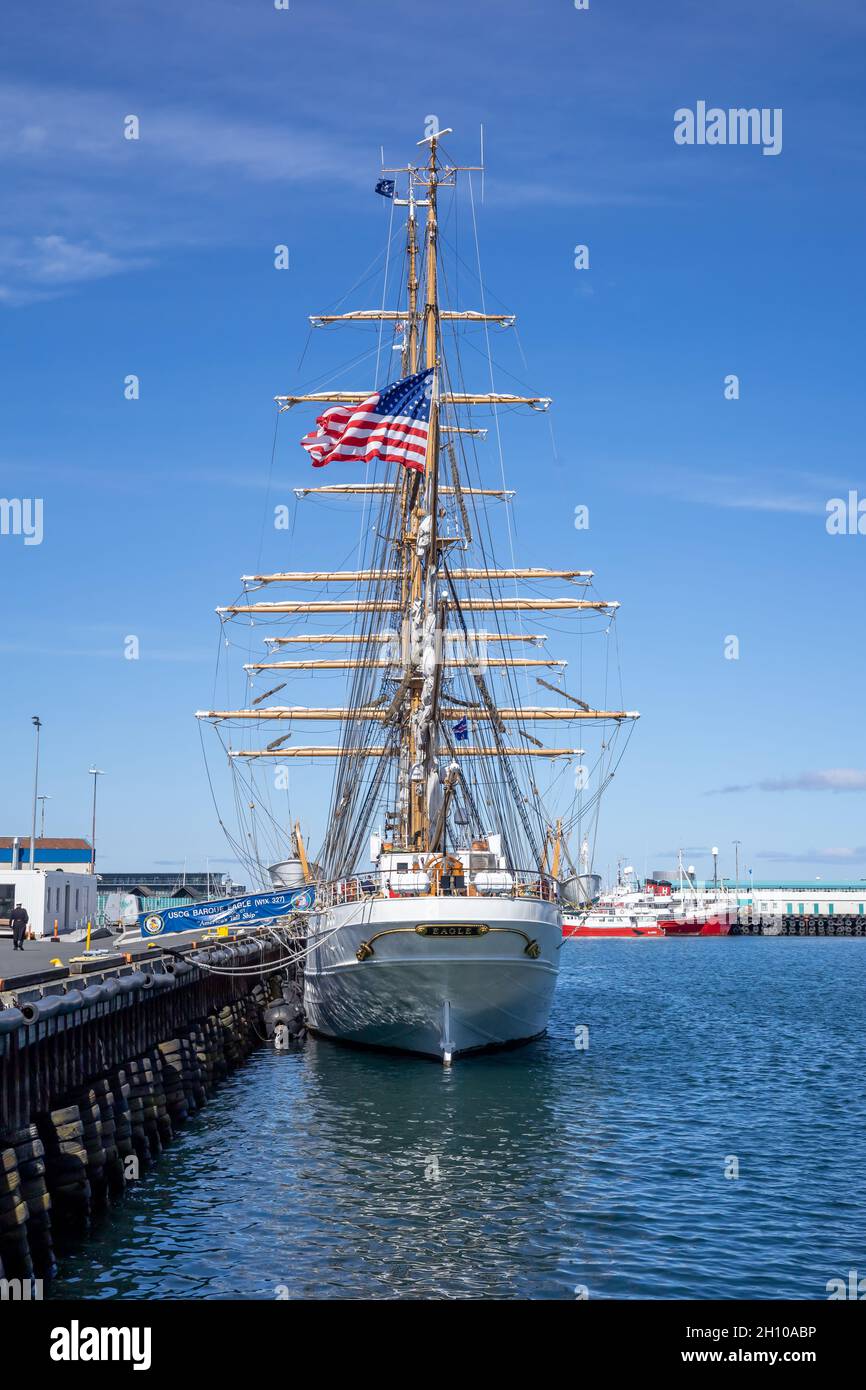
(408, 526)
(410, 352)
(419, 550)
(407, 685)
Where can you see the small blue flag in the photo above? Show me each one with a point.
(385, 187)
(461, 729)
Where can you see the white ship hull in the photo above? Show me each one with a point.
(437, 995)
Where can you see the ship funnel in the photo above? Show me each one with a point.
(288, 873)
(579, 890)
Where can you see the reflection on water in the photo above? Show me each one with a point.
(340, 1173)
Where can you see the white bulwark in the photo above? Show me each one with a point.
(51, 896)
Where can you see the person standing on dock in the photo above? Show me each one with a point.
(18, 920)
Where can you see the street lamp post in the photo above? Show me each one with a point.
(94, 773)
(736, 844)
(37, 724)
(43, 798)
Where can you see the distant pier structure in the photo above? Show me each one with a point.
(121, 897)
(785, 907)
(802, 908)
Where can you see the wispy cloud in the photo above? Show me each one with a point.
(832, 779)
(179, 863)
(832, 855)
(41, 265)
(767, 502)
(91, 129)
(691, 850)
(115, 653)
(735, 491)
(78, 195)
(146, 478)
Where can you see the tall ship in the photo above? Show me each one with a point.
(437, 923)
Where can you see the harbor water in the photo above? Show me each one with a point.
(709, 1141)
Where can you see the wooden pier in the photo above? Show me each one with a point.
(101, 1060)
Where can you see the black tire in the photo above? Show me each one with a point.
(37, 1201)
(67, 1164)
(23, 1135)
(10, 1220)
(31, 1148)
(72, 1191)
(9, 1200)
(31, 1168)
(64, 1116)
(72, 1131)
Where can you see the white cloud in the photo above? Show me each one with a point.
(34, 268)
(56, 260)
(743, 494)
(89, 127)
(833, 779)
(79, 197)
(833, 855)
(114, 653)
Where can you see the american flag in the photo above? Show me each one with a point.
(391, 425)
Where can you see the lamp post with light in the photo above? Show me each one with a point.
(37, 724)
(94, 772)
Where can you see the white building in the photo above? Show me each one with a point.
(788, 897)
(53, 896)
(812, 899)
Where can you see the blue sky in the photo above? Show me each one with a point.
(260, 127)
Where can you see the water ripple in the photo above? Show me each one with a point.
(335, 1173)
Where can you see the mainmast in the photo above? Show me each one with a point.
(396, 725)
(418, 540)
(410, 350)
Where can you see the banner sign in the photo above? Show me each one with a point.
(226, 912)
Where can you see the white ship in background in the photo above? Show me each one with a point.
(451, 941)
(655, 909)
